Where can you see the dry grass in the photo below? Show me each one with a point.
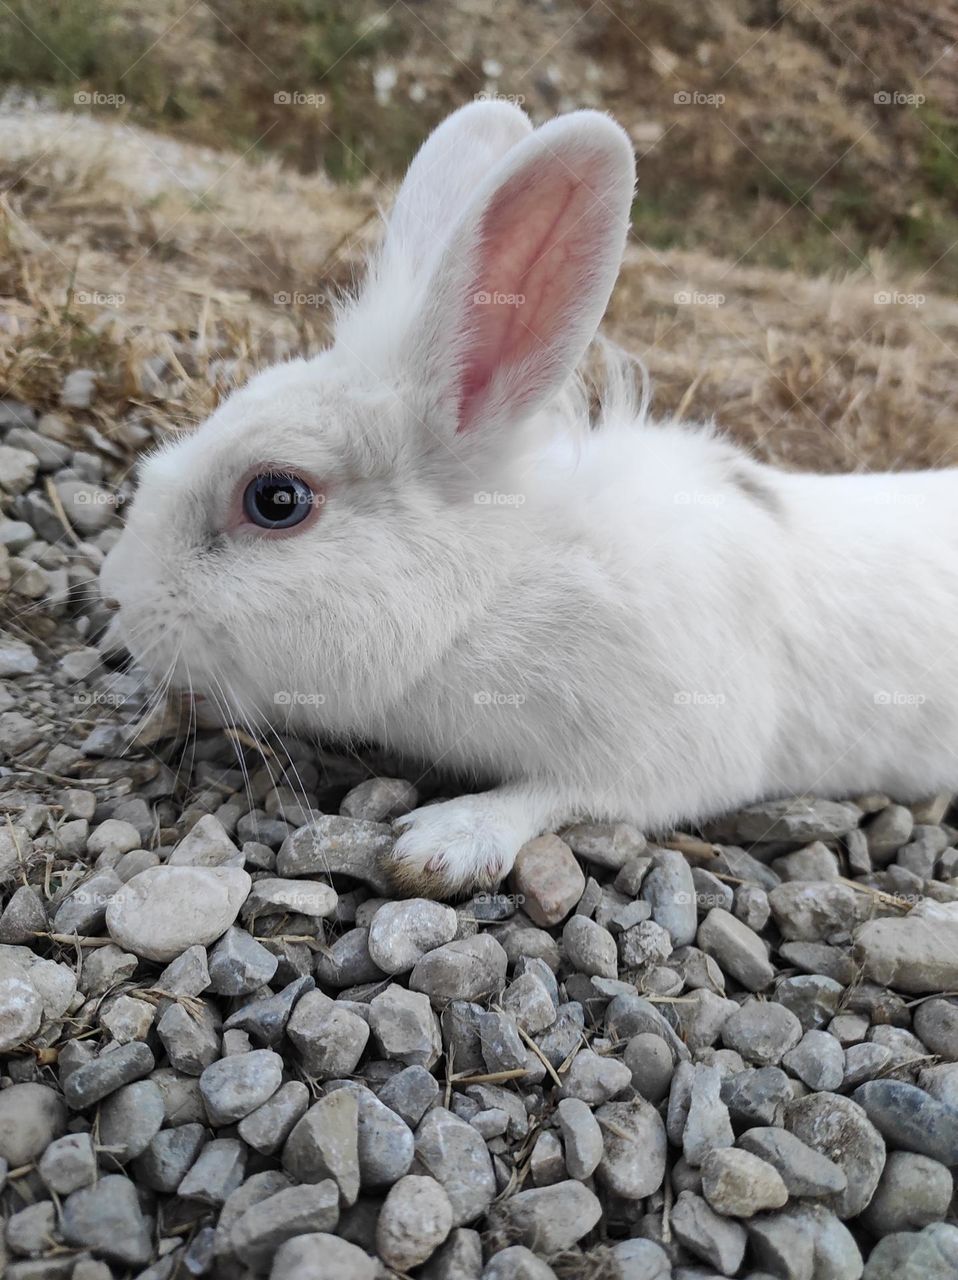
(195, 245)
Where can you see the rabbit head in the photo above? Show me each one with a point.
(317, 542)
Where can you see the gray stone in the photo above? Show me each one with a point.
(641, 1260)
(581, 1137)
(707, 1125)
(32, 1230)
(84, 910)
(410, 1093)
(761, 1031)
(887, 832)
(804, 1242)
(916, 954)
(815, 910)
(936, 1024)
(757, 1097)
(502, 1046)
(838, 1128)
(516, 1263)
(268, 1126)
(547, 880)
(325, 1144)
(265, 1020)
(588, 948)
(239, 965)
(911, 1119)
(21, 1009)
(644, 944)
(649, 1059)
(23, 917)
(207, 844)
(415, 1219)
(190, 1036)
(187, 975)
(700, 1016)
(607, 844)
(164, 910)
(594, 1078)
(460, 1258)
(107, 1073)
(670, 891)
(751, 906)
(235, 1086)
(291, 1212)
(216, 1172)
(107, 1219)
(169, 1157)
(467, 969)
(405, 1027)
(347, 962)
(633, 1162)
(318, 1256)
(817, 1060)
(813, 998)
(68, 1163)
(707, 1234)
(913, 1192)
(379, 800)
(797, 821)
(385, 1143)
(275, 896)
(128, 1121)
(16, 658)
(328, 1037)
(805, 1171)
(739, 1184)
(740, 952)
(915, 1255)
(456, 1156)
(332, 846)
(550, 1219)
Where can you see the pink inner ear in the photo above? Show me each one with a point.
(536, 241)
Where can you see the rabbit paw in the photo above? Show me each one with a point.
(450, 849)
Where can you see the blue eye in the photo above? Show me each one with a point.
(276, 500)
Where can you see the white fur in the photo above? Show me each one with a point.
(639, 623)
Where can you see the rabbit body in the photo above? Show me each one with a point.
(633, 622)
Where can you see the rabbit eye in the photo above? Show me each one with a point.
(277, 501)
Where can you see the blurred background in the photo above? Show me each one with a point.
(182, 186)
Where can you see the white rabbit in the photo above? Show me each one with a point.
(416, 538)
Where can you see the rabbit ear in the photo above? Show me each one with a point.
(442, 179)
(520, 289)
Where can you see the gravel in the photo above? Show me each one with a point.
(230, 1051)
